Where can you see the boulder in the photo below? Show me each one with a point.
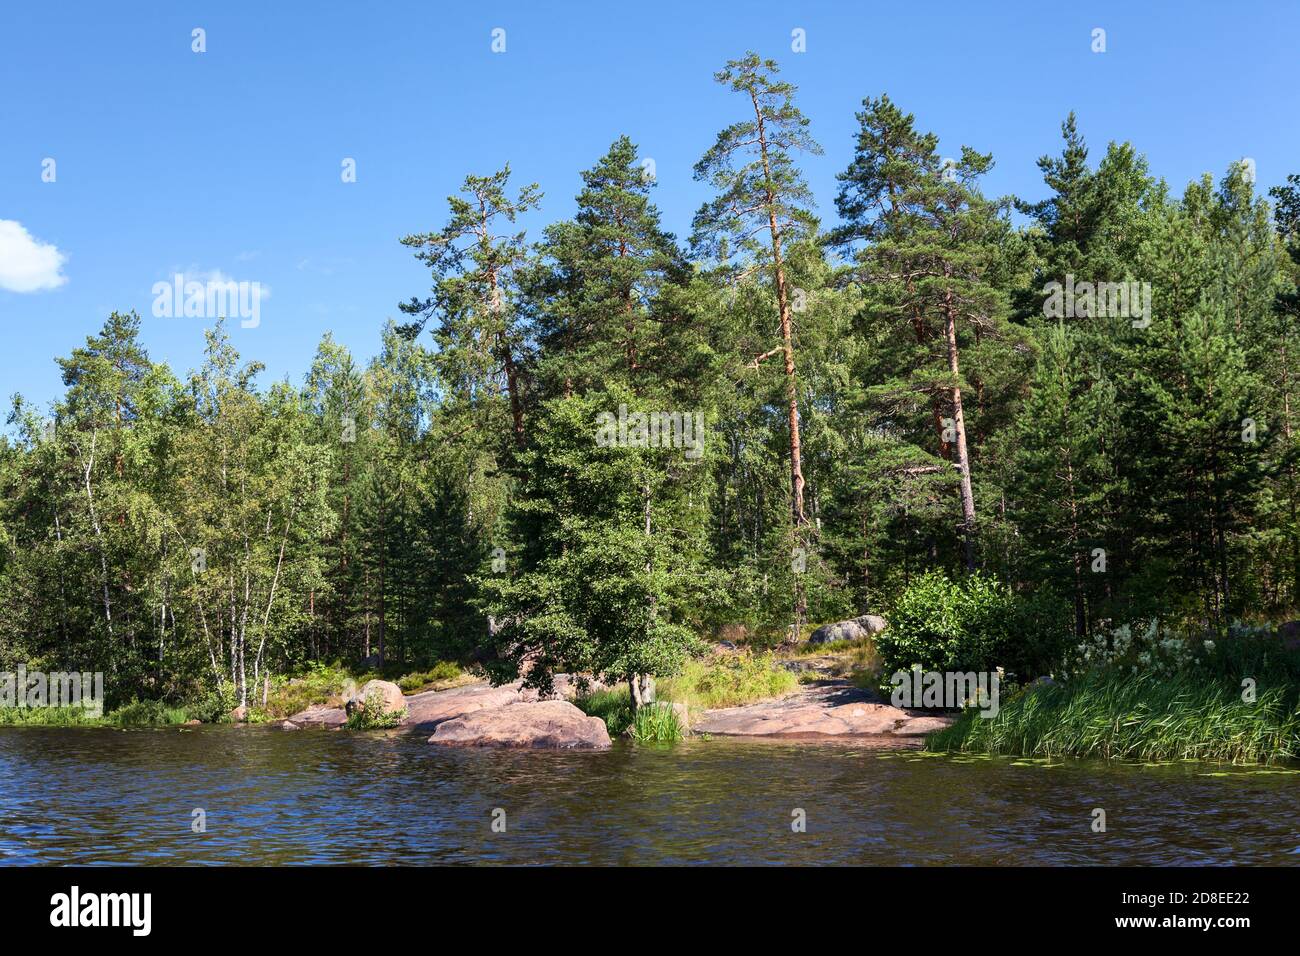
(683, 717)
(320, 715)
(920, 726)
(544, 724)
(432, 708)
(239, 714)
(853, 629)
(288, 725)
(387, 691)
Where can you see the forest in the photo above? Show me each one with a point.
(603, 447)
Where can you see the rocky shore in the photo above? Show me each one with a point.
(479, 715)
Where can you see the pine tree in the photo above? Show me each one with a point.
(476, 272)
(931, 241)
(761, 191)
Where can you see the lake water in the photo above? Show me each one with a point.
(90, 796)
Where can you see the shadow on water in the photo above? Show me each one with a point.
(95, 796)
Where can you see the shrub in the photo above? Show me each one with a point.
(974, 624)
(213, 705)
(321, 684)
(371, 715)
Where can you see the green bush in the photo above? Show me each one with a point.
(213, 705)
(371, 715)
(974, 623)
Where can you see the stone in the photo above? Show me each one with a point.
(428, 710)
(289, 725)
(320, 715)
(544, 724)
(239, 714)
(920, 726)
(683, 717)
(836, 710)
(853, 629)
(388, 692)
(193, 723)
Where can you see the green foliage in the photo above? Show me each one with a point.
(972, 624)
(193, 535)
(47, 717)
(607, 566)
(1113, 714)
(321, 683)
(727, 681)
(441, 673)
(613, 706)
(371, 714)
(656, 722)
(147, 713)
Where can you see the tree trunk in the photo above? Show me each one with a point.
(959, 426)
(791, 384)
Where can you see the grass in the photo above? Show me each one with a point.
(702, 684)
(1114, 715)
(443, 674)
(146, 713)
(727, 682)
(138, 713)
(653, 722)
(831, 647)
(613, 706)
(48, 717)
(657, 722)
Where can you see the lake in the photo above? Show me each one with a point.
(98, 796)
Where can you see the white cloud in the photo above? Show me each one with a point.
(26, 263)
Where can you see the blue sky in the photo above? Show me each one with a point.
(229, 161)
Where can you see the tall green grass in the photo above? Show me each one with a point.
(1111, 714)
(656, 722)
(613, 706)
(727, 682)
(48, 717)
